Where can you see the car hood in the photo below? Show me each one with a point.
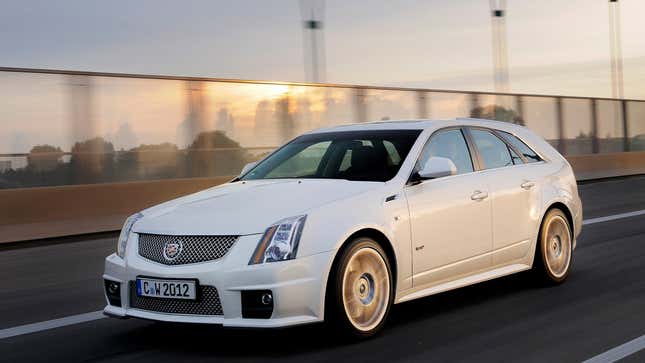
(248, 207)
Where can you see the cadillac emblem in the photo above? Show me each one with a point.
(171, 250)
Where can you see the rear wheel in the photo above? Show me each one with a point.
(361, 289)
(554, 250)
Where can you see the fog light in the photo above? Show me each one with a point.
(113, 292)
(113, 287)
(267, 298)
(257, 304)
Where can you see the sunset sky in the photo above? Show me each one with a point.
(554, 47)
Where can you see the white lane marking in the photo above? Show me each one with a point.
(613, 217)
(51, 324)
(620, 352)
(631, 346)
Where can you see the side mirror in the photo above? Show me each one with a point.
(437, 167)
(248, 167)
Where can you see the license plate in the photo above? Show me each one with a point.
(167, 289)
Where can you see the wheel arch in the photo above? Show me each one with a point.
(567, 212)
(540, 269)
(374, 234)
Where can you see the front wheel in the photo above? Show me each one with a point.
(361, 289)
(554, 250)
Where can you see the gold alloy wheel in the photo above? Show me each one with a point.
(556, 246)
(366, 289)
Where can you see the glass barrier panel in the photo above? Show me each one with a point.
(449, 105)
(335, 105)
(610, 126)
(250, 120)
(34, 118)
(385, 105)
(636, 125)
(576, 114)
(540, 116)
(496, 107)
(143, 122)
(33, 113)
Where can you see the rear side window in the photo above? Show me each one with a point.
(516, 158)
(529, 154)
(494, 152)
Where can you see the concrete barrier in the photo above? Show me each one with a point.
(34, 213)
(608, 165)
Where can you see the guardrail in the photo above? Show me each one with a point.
(81, 150)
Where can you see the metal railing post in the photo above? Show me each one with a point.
(422, 104)
(595, 147)
(562, 147)
(360, 105)
(195, 110)
(474, 103)
(81, 110)
(519, 101)
(626, 146)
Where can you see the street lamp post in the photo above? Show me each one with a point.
(616, 50)
(312, 14)
(617, 89)
(500, 55)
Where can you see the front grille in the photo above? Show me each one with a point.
(207, 302)
(192, 249)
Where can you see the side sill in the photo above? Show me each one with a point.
(464, 281)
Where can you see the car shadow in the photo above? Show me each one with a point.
(234, 343)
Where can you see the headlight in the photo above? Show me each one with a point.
(125, 231)
(280, 241)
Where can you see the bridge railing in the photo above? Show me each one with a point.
(80, 150)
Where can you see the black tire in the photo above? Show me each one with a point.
(547, 247)
(336, 315)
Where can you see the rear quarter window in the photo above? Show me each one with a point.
(528, 153)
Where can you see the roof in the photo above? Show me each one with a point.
(418, 124)
(527, 136)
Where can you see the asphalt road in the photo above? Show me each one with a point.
(601, 305)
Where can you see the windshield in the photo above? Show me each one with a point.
(373, 155)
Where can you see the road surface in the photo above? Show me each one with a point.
(600, 307)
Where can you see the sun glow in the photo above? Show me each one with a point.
(274, 90)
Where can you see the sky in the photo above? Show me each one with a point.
(554, 46)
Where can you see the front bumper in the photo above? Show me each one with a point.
(297, 285)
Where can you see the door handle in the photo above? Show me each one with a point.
(527, 185)
(479, 195)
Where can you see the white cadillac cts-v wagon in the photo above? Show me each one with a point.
(341, 223)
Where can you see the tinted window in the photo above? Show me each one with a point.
(530, 155)
(306, 162)
(448, 144)
(494, 152)
(393, 155)
(353, 155)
